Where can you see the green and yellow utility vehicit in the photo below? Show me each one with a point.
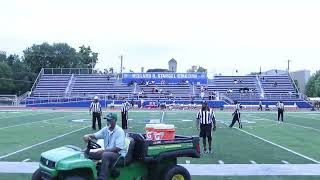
(145, 159)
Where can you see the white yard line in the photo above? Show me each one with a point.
(6, 127)
(162, 117)
(297, 125)
(252, 169)
(310, 118)
(252, 162)
(204, 169)
(25, 160)
(284, 148)
(29, 114)
(43, 142)
(285, 162)
(287, 149)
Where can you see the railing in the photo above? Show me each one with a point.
(68, 71)
(255, 97)
(294, 84)
(226, 98)
(36, 81)
(68, 88)
(260, 86)
(23, 96)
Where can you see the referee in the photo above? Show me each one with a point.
(206, 122)
(280, 107)
(124, 115)
(95, 110)
(236, 115)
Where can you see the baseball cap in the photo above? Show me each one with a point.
(111, 116)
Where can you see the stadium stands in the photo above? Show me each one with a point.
(51, 85)
(247, 89)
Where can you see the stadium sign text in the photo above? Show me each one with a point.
(164, 75)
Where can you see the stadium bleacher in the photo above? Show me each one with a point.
(247, 89)
(51, 85)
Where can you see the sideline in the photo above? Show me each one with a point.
(205, 169)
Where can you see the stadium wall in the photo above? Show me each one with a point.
(104, 103)
(300, 104)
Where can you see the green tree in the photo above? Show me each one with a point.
(201, 69)
(194, 69)
(6, 83)
(58, 55)
(87, 57)
(313, 85)
(2, 56)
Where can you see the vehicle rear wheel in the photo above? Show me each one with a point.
(176, 173)
(36, 175)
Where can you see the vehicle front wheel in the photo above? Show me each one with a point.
(36, 175)
(176, 173)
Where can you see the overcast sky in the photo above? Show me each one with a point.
(220, 35)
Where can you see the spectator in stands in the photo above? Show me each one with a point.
(210, 95)
(132, 103)
(158, 103)
(160, 91)
(235, 81)
(229, 91)
(147, 83)
(141, 103)
(202, 95)
(170, 95)
(275, 84)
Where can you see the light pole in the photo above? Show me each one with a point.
(121, 64)
(289, 64)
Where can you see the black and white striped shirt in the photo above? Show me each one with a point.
(124, 107)
(238, 107)
(95, 107)
(280, 106)
(206, 116)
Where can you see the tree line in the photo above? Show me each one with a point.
(313, 85)
(17, 73)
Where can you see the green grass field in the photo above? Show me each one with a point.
(25, 134)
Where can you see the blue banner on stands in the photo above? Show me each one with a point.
(169, 77)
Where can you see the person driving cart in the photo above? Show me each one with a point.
(114, 144)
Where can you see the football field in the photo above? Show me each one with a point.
(24, 134)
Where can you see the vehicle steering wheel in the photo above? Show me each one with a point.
(93, 145)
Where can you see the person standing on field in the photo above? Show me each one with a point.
(124, 115)
(280, 107)
(206, 123)
(236, 115)
(260, 106)
(96, 111)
